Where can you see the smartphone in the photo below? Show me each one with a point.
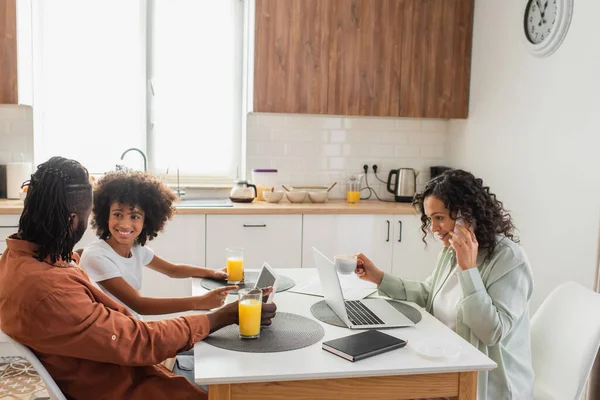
(461, 222)
(267, 277)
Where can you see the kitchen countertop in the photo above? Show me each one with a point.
(261, 207)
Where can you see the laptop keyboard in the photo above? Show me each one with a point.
(359, 314)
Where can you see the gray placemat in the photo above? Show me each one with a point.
(286, 332)
(284, 283)
(321, 311)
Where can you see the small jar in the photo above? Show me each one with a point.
(264, 179)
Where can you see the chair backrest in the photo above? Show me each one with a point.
(51, 386)
(565, 337)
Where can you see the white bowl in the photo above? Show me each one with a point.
(272, 197)
(318, 197)
(297, 196)
(345, 265)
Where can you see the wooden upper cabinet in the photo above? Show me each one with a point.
(365, 57)
(291, 56)
(8, 52)
(399, 58)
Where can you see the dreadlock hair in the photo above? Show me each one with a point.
(137, 189)
(58, 188)
(460, 191)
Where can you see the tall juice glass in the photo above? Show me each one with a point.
(235, 265)
(353, 191)
(249, 308)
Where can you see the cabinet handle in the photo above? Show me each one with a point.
(255, 225)
(388, 231)
(400, 233)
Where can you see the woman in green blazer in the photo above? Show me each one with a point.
(481, 284)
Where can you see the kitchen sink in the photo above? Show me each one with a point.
(204, 202)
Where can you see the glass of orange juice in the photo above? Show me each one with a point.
(235, 265)
(353, 191)
(249, 308)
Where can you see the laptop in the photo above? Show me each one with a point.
(356, 314)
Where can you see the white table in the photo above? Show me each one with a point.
(313, 373)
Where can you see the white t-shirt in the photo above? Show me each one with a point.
(101, 262)
(445, 303)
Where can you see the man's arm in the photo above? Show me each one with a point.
(73, 324)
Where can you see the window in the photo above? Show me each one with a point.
(161, 76)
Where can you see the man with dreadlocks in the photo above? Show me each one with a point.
(90, 344)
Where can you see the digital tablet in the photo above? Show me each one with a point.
(267, 277)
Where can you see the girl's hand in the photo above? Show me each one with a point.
(220, 275)
(466, 247)
(213, 299)
(366, 270)
(223, 275)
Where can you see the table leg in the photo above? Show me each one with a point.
(219, 392)
(467, 386)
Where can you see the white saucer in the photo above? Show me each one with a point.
(437, 350)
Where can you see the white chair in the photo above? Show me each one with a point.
(565, 337)
(51, 386)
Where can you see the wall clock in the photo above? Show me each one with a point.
(546, 23)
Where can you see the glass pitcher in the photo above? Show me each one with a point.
(243, 192)
(353, 188)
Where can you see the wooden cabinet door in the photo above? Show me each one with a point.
(8, 52)
(412, 259)
(291, 54)
(400, 58)
(365, 57)
(348, 234)
(276, 239)
(436, 58)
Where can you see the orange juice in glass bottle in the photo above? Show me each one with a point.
(353, 189)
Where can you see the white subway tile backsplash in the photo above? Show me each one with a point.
(381, 150)
(338, 136)
(427, 138)
(370, 123)
(434, 125)
(395, 137)
(267, 149)
(408, 124)
(317, 150)
(407, 151)
(432, 151)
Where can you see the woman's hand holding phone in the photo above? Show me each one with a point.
(465, 244)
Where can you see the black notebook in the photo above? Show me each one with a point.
(363, 345)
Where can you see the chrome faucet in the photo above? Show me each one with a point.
(179, 191)
(139, 151)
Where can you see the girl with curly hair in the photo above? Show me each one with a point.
(130, 208)
(482, 283)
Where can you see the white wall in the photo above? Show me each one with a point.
(320, 150)
(533, 135)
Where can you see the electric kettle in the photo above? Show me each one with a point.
(402, 183)
(243, 192)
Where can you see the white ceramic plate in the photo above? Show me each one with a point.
(437, 350)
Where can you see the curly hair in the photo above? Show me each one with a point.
(461, 192)
(58, 188)
(138, 189)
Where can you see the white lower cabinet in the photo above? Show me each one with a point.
(276, 239)
(9, 224)
(182, 242)
(348, 234)
(412, 260)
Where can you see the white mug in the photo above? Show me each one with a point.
(345, 265)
